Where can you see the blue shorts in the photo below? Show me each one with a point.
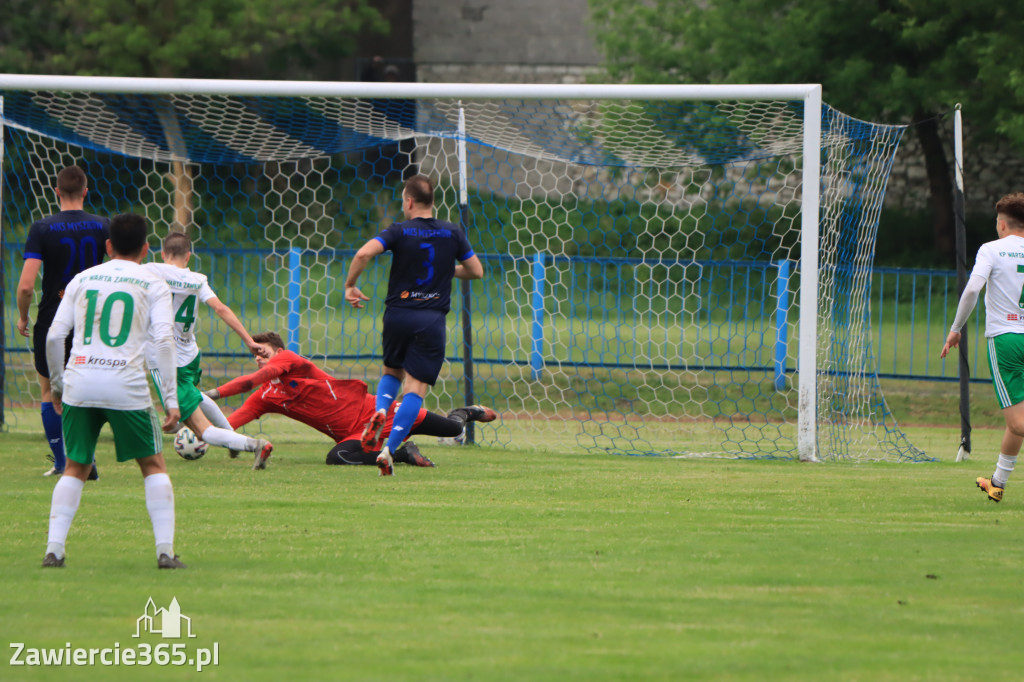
(414, 340)
(39, 332)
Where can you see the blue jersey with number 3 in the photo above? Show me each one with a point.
(67, 243)
(425, 251)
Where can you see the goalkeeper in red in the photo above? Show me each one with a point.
(999, 269)
(290, 384)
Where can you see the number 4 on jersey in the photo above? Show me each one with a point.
(186, 313)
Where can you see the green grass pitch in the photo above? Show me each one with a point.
(530, 564)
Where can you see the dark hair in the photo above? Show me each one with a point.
(177, 244)
(272, 338)
(1011, 207)
(71, 181)
(420, 189)
(128, 233)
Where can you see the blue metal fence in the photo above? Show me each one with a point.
(910, 311)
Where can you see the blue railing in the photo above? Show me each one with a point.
(912, 310)
(741, 312)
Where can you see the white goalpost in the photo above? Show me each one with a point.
(649, 248)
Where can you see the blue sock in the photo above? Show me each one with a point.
(405, 417)
(387, 391)
(54, 434)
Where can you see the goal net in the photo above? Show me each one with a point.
(670, 270)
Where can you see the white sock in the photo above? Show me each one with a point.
(212, 411)
(160, 503)
(1004, 465)
(67, 494)
(226, 438)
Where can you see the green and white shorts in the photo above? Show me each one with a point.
(189, 396)
(136, 432)
(1006, 360)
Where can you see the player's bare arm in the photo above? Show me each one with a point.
(471, 268)
(55, 400)
(364, 255)
(26, 289)
(952, 341)
(172, 416)
(231, 320)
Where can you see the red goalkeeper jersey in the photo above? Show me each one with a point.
(295, 387)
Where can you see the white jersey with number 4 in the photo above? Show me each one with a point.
(188, 289)
(118, 309)
(1001, 264)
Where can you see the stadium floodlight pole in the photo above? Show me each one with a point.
(464, 288)
(807, 362)
(964, 452)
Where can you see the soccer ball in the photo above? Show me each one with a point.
(188, 445)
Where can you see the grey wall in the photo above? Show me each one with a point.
(495, 32)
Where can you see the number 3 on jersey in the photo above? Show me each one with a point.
(185, 315)
(428, 264)
(107, 335)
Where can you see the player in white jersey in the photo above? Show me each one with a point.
(1000, 266)
(188, 290)
(117, 310)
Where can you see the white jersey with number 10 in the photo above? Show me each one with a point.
(116, 309)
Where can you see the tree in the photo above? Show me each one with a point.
(880, 60)
(181, 39)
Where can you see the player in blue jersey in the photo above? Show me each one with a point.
(426, 254)
(62, 245)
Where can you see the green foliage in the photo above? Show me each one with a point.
(893, 60)
(181, 38)
(905, 240)
(897, 62)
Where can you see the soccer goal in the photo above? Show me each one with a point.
(670, 270)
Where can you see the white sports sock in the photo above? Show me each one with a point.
(1004, 465)
(160, 503)
(226, 438)
(67, 494)
(212, 411)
